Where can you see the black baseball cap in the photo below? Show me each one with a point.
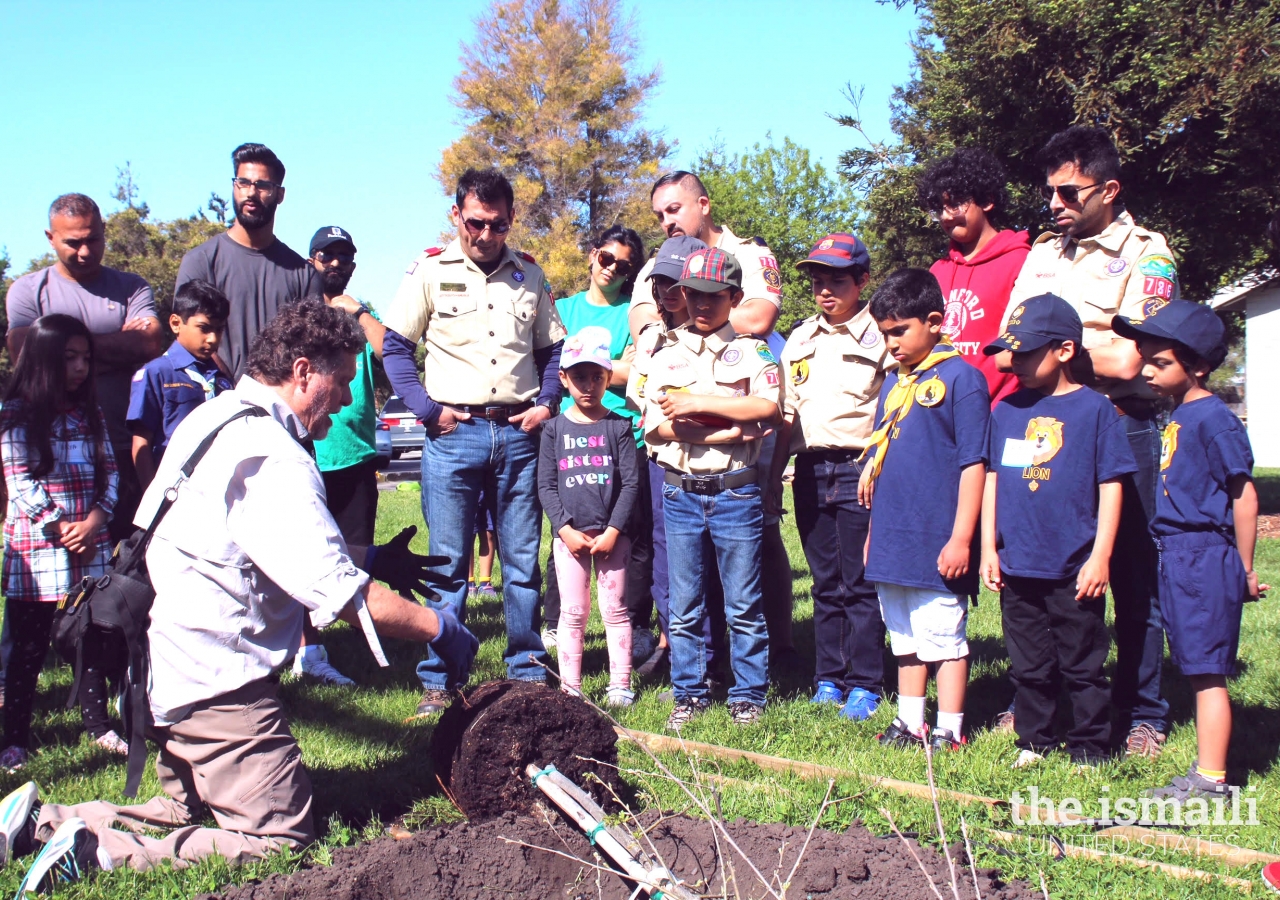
(330, 234)
(1193, 325)
(1038, 321)
(672, 256)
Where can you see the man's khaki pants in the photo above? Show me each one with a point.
(233, 756)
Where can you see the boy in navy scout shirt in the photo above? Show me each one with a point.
(925, 472)
(709, 395)
(166, 389)
(833, 366)
(1205, 525)
(1057, 455)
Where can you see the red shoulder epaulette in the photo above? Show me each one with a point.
(525, 256)
(433, 251)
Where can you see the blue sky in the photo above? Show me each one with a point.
(355, 98)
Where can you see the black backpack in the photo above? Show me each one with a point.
(118, 606)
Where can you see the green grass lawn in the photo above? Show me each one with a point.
(369, 767)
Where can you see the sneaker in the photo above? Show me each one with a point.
(485, 591)
(1144, 740)
(312, 663)
(900, 735)
(549, 639)
(643, 646)
(1027, 758)
(686, 711)
(18, 814)
(828, 693)
(471, 588)
(13, 759)
(433, 703)
(1004, 723)
(1193, 784)
(70, 854)
(744, 712)
(113, 743)
(944, 739)
(1271, 876)
(619, 697)
(860, 705)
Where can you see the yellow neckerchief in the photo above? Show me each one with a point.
(896, 406)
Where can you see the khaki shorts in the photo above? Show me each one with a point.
(924, 622)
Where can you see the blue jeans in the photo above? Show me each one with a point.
(1135, 685)
(731, 523)
(455, 467)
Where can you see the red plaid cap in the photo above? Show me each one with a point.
(711, 270)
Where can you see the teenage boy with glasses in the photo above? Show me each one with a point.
(1105, 265)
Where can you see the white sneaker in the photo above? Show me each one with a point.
(1027, 758)
(549, 639)
(15, 815)
(113, 743)
(619, 697)
(313, 662)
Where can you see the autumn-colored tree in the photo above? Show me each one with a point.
(549, 94)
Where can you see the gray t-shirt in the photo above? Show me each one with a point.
(103, 305)
(257, 282)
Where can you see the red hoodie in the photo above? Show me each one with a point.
(977, 292)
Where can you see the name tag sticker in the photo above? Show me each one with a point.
(452, 287)
(1018, 454)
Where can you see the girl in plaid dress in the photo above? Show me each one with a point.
(60, 480)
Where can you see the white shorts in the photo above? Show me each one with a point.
(924, 622)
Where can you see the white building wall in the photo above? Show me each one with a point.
(1262, 374)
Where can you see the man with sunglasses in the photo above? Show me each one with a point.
(491, 377)
(255, 270)
(1104, 265)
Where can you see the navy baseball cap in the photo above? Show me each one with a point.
(839, 251)
(1193, 325)
(673, 254)
(1036, 322)
(330, 234)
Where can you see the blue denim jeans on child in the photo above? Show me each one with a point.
(454, 468)
(732, 522)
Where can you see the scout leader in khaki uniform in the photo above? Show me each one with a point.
(493, 342)
(833, 367)
(1104, 265)
(683, 208)
(710, 391)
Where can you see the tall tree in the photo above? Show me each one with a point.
(1187, 88)
(780, 194)
(550, 95)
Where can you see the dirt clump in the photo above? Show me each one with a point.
(483, 743)
(473, 861)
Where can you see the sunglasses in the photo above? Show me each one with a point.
(621, 267)
(324, 256)
(1069, 193)
(477, 226)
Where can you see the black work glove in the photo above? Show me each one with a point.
(404, 571)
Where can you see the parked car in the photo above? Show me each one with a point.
(382, 443)
(405, 429)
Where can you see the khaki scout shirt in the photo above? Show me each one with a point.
(1124, 271)
(760, 275)
(723, 364)
(650, 340)
(831, 378)
(480, 330)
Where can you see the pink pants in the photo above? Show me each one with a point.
(574, 574)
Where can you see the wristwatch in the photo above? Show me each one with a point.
(360, 311)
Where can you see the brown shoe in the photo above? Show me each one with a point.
(1144, 740)
(433, 703)
(1004, 724)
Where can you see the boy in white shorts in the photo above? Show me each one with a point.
(925, 473)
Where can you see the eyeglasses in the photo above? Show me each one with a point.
(477, 226)
(261, 187)
(621, 267)
(951, 209)
(1069, 193)
(324, 257)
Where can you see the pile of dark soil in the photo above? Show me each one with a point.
(483, 743)
(472, 861)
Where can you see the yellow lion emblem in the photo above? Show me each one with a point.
(1168, 444)
(1046, 433)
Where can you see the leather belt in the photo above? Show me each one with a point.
(500, 412)
(710, 484)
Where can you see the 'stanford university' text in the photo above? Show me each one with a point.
(1237, 808)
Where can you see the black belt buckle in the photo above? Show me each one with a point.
(695, 484)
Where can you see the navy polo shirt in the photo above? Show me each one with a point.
(167, 389)
(1049, 455)
(914, 506)
(1203, 447)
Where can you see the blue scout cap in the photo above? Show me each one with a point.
(330, 234)
(840, 251)
(1193, 325)
(673, 254)
(1037, 321)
